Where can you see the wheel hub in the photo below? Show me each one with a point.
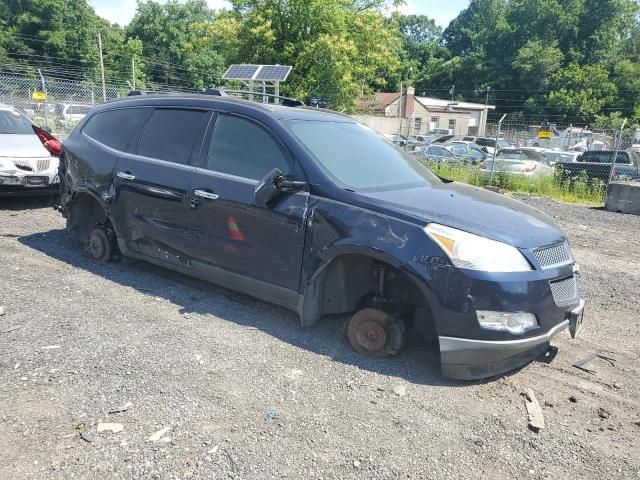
(96, 246)
(371, 335)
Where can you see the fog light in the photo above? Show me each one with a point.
(8, 180)
(516, 323)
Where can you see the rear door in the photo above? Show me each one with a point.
(151, 204)
(255, 247)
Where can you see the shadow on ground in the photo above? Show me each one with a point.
(418, 363)
(28, 202)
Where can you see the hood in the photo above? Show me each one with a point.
(474, 210)
(22, 146)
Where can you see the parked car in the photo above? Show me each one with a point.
(468, 150)
(489, 144)
(72, 112)
(25, 165)
(517, 161)
(441, 131)
(597, 164)
(438, 153)
(312, 211)
(554, 157)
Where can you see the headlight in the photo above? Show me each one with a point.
(477, 253)
(516, 323)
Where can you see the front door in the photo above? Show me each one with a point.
(151, 202)
(256, 247)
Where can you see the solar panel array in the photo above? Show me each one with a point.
(240, 72)
(263, 73)
(273, 73)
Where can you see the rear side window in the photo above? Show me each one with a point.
(115, 128)
(605, 157)
(171, 134)
(241, 147)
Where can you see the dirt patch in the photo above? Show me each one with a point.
(238, 390)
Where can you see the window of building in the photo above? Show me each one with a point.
(452, 124)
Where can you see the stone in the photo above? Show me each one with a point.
(155, 437)
(400, 390)
(110, 427)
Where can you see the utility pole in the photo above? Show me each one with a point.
(133, 71)
(495, 149)
(104, 88)
(400, 115)
(452, 92)
(44, 104)
(615, 155)
(486, 113)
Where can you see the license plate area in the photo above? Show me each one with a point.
(575, 319)
(36, 181)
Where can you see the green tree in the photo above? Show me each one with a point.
(340, 49)
(536, 62)
(172, 51)
(580, 92)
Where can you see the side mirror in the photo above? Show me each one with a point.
(272, 185)
(267, 189)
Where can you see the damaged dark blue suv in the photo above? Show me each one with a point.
(312, 211)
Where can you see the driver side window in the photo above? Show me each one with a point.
(243, 148)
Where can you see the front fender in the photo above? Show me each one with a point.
(336, 230)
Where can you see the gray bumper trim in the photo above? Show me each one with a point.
(469, 359)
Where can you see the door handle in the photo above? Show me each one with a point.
(205, 194)
(125, 176)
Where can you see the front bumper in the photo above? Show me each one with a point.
(28, 176)
(471, 359)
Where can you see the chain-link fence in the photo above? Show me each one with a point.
(55, 103)
(565, 162)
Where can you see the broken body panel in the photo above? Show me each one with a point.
(312, 251)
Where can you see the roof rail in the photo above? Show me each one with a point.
(286, 101)
(134, 93)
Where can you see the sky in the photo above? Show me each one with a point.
(122, 11)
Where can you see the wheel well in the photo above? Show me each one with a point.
(343, 284)
(84, 213)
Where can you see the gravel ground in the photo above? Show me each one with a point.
(241, 391)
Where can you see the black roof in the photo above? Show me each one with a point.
(278, 112)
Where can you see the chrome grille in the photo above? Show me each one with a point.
(23, 165)
(566, 291)
(554, 255)
(43, 164)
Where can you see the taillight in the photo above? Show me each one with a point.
(482, 165)
(51, 143)
(530, 167)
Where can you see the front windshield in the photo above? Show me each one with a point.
(357, 158)
(14, 123)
